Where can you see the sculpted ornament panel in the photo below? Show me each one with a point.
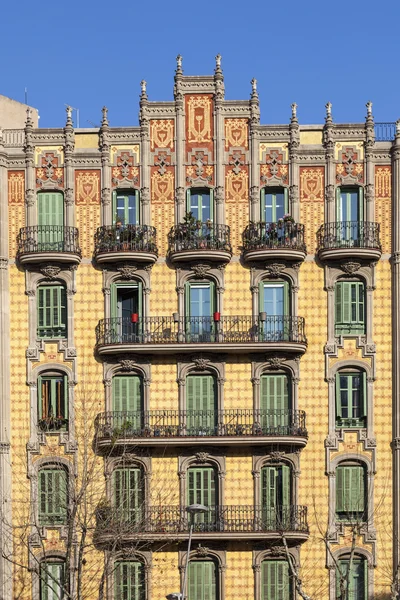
(199, 119)
(162, 134)
(236, 133)
(87, 187)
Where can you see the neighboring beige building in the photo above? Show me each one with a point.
(201, 310)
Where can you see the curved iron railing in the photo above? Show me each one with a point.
(349, 234)
(200, 330)
(48, 238)
(117, 425)
(274, 236)
(218, 519)
(125, 238)
(204, 236)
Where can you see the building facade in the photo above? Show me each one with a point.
(201, 310)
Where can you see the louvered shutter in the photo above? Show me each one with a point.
(52, 497)
(274, 401)
(201, 404)
(275, 580)
(129, 493)
(129, 581)
(202, 490)
(350, 490)
(51, 581)
(127, 394)
(202, 581)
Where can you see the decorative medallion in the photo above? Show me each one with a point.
(350, 267)
(199, 119)
(236, 133)
(201, 457)
(125, 169)
(312, 184)
(127, 364)
(236, 186)
(350, 166)
(200, 270)
(127, 271)
(50, 271)
(87, 187)
(49, 173)
(162, 187)
(162, 134)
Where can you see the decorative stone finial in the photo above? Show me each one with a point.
(68, 110)
(294, 111)
(104, 121)
(29, 122)
(254, 86)
(143, 85)
(179, 64)
(218, 62)
(328, 118)
(369, 108)
(398, 127)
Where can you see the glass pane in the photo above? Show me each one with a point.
(274, 206)
(200, 301)
(200, 205)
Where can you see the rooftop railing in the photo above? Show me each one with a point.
(385, 132)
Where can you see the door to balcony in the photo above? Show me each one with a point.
(274, 304)
(128, 487)
(50, 221)
(200, 303)
(126, 207)
(126, 312)
(201, 406)
(273, 204)
(127, 393)
(202, 489)
(349, 214)
(275, 497)
(200, 204)
(275, 404)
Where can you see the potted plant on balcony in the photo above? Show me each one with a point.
(103, 512)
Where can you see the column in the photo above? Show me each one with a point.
(254, 157)
(107, 217)
(69, 146)
(180, 184)
(219, 142)
(144, 157)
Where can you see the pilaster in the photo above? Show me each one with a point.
(144, 156)
(69, 146)
(369, 165)
(180, 183)
(254, 160)
(219, 142)
(294, 144)
(30, 195)
(330, 166)
(106, 205)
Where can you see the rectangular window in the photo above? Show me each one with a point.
(52, 497)
(274, 204)
(128, 404)
(354, 582)
(350, 492)
(349, 308)
(274, 303)
(51, 580)
(52, 311)
(274, 404)
(126, 207)
(129, 494)
(275, 581)
(202, 581)
(201, 417)
(53, 402)
(275, 496)
(200, 204)
(50, 221)
(200, 303)
(129, 581)
(201, 489)
(351, 401)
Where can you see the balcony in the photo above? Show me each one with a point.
(282, 240)
(48, 243)
(125, 243)
(168, 335)
(189, 428)
(349, 239)
(220, 523)
(205, 241)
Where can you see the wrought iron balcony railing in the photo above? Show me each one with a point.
(218, 519)
(200, 423)
(200, 330)
(48, 238)
(53, 424)
(385, 132)
(201, 236)
(349, 234)
(274, 236)
(125, 238)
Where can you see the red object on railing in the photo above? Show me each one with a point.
(217, 316)
(134, 317)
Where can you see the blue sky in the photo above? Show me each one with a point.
(90, 54)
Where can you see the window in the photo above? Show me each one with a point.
(352, 578)
(127, 391)
(349, 307)
(275, 580)
(274, 204)
(200, 204)
(201, 405)
(126, 207)
(200, 306)
(128, 485)
(351, 405)
(350, 492)
(275, 404)
(202, 489)
(53, 497)
(202, 580)
(349, 214)
(126, 311)
(50, 221)
(275, 496)
(129, 581)
(274, 308)
(52, 311)
(52, 580)
(53, 402)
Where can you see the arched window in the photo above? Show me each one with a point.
(202, 488)
(129, 580)
(351, 492)
(202, 580)
(351, 398)
(52, 579)
(200, 204)
(352, 578)
(275, 496)
(128, 493)
(349, 307)
(200, 302)
(275, 580)
(126, 207)
(274, 204)
(52, 495)
(275, 404)
(201, 405)
(53, 401)
(52, 311)
(50, 206)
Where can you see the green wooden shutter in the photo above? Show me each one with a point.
(202, 581)
(128, 493)
(285, 485)
(50, 208)
(52, 311)
(201, 486)
(338, 397)
(339, 216)
(262, 204)
(285, 200)
(52, 397)
(51, 580)
(129, 581)
(200, 404)
(361, 203)
(357, 580)
(350, 490)
(275, 584)
(52, 497)
(349, 307)
(127, 393)
(274, 400)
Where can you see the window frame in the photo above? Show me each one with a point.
(266, 580)
(46, 496)
(140, 575)
(52, 312)
(359, 560)
(206, 191)
(47, 565)
(348, 189)
(344, 323)
(131, 512)
(204, 594)
(273, 191)
(59, 419)
(133, 192)
(351, 503)
(351, 422)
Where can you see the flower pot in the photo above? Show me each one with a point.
(134, 317)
